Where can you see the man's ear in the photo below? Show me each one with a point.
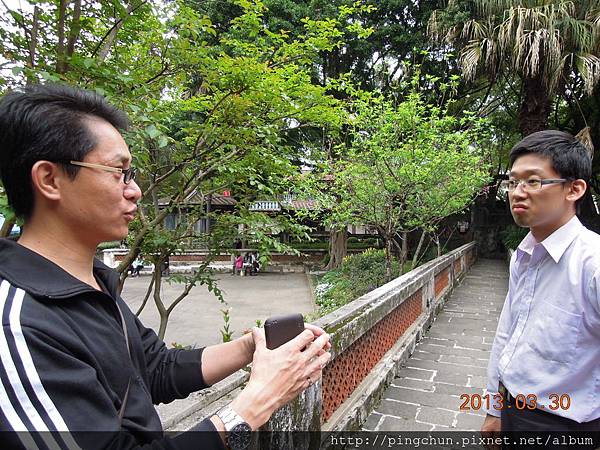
(47, 178)
(576, 190)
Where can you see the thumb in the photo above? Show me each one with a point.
(258, 335)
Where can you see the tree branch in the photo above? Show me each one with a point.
(60, 46)
(75, 28)
(103, 47)
(146, 297)
(33, 36)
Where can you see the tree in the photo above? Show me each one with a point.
(409, 165)
(204, 118)
(396, 32)
(546, 43)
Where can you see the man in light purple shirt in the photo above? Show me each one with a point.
(544, 368)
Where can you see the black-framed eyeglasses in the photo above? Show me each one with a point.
(531, 184)
(128, 174)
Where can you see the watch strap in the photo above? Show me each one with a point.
(229, 417)
(235, 429)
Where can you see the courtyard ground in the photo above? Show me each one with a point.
(198, 319)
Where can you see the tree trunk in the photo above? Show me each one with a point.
(75, 28)
(388, 258)
(7, 226)
(535, 107)
(160, 306)
(208, 211)
(337, 247)
(418, 250)
(33, 40)
(60, 47)
(146, 297)
(112, 35)
(403, 251)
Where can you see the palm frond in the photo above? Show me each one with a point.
(585, 137)
(438, 32)
(473, 30)
(433, 26)
(593, 17)
(494, 7)
(544, 38)
(553, 48)
(469, 59)
(580, 33)
(588, 67)
(555, 75)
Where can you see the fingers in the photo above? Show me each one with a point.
(317, 364)
(258, 335)
(316, 346)
(317, 331)
(315, 368)
(309, 381)
(300, 341)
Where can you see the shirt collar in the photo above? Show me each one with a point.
(556, 243)
(37, 275)
(526, 245)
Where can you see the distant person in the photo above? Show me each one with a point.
(247, 264)
(547, 345)
(255, 263)
(164, 267)
(137, 266)
(239, 263)
(74, 358)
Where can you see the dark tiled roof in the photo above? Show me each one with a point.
(197, 198)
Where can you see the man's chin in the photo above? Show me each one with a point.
(116, 236)
(521, 221)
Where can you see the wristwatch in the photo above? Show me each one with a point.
(238, 434)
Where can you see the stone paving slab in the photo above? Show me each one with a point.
(450, 360)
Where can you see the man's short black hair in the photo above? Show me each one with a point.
(567, 155)
(46, 122)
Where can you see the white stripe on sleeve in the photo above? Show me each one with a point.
(34, 380)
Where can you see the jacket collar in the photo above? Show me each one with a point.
(39, 276)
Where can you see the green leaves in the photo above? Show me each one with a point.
(409, 165)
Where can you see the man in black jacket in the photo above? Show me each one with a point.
(74, 359)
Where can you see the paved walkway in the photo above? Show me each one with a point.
(449, 361)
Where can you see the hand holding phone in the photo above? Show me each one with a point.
(281, 329)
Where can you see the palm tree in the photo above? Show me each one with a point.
(548, 44)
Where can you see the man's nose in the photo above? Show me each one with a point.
(132, 191)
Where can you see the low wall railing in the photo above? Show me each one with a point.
(371, 338)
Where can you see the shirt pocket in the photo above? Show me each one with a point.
(554, 333)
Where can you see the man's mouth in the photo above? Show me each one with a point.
(131, 214)
(518, 208)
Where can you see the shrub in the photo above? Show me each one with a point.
(357, 275)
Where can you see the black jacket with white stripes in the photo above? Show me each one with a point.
(65, 365)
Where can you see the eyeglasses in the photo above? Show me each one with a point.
(128, 174)
(532, 184)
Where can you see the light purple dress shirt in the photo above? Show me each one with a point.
(548, 336)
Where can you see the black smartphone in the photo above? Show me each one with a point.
(281, 329)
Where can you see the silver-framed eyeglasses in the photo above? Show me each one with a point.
(128, 174)
(531, 184)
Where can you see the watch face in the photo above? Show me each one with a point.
(240, 436)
